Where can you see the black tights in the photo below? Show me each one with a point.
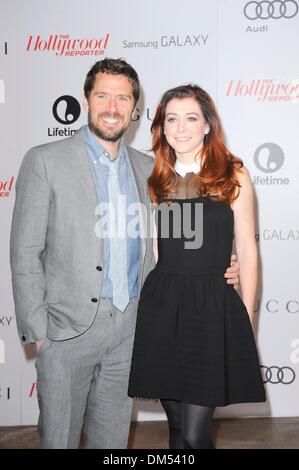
(189, 425)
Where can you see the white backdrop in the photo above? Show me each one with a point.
(245, 54)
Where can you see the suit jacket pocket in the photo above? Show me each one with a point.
(53, 291)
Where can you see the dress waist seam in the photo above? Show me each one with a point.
(203, 271)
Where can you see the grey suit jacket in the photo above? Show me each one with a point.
(56, 257)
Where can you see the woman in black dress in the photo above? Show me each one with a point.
(194, 345)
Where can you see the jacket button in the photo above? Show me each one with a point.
(99, 268)
(94, 300)
(23, 338)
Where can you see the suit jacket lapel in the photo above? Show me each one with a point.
(81, 161)
(83, 170)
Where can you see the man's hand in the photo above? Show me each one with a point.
(232, 273)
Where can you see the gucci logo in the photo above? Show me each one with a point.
(266, 10)
(275, 375)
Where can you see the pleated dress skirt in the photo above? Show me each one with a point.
(194, 342)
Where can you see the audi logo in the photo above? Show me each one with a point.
(275, 375)
(266, 10)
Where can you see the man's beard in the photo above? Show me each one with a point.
(111, 137)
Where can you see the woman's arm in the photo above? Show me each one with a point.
(155, 244)
(244, 215)
(155, 235)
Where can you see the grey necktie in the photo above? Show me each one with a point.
(118, 240)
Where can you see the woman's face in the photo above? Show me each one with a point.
(185, 128)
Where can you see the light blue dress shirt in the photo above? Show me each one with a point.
(99, 159)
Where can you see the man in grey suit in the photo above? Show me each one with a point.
(76, 289)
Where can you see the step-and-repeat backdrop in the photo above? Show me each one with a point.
(245, 54)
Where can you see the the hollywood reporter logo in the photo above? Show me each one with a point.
(6, 187)
(32, 390)
(63, 45)
(265, 90)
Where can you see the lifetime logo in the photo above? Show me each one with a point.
(2, 351)
(2, 91)
(6, 187)
(271, 10)
(66, 109)
(269, 157)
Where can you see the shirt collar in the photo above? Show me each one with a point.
(182, 169)
(100, 151)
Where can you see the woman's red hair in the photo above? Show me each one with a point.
(219, 165)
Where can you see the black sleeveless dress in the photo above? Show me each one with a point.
(194, 342)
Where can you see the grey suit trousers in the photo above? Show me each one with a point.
(82, 383)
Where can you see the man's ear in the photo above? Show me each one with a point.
(133, 115)
(85, 104)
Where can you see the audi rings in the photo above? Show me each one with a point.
(265, 10)
(275, 375)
